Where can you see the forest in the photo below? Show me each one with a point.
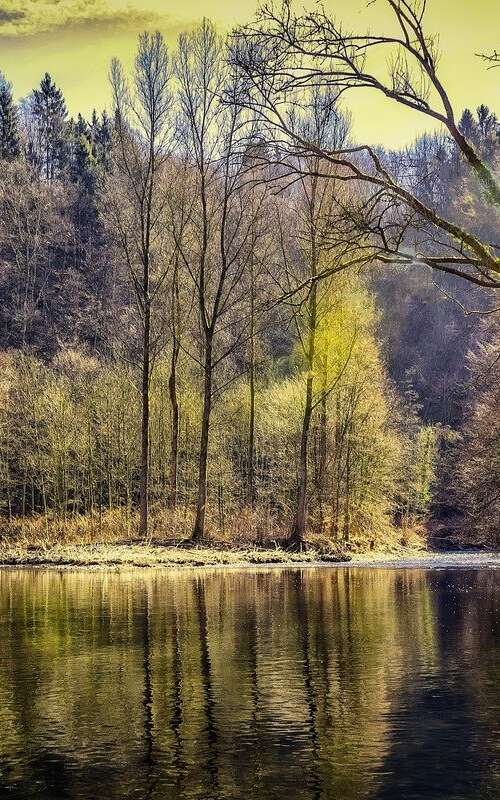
(223, 317)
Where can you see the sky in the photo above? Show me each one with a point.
(75, 40)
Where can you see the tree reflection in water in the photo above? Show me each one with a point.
(313, 683)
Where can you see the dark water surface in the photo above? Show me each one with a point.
(317, 683)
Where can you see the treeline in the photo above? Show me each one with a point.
(179, 328)
(70, 446)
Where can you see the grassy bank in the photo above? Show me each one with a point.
(156, 555)
(181, 554)
(137, 555)
(110, 540)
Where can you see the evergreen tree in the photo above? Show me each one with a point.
(467, 125)
(487, 121)
(9, 127)
(48, 109)
(101, 136)
(82, 157)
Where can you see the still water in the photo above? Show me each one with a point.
(316, 683)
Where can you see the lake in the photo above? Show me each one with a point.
(313, 683)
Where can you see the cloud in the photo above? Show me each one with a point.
(30, 17)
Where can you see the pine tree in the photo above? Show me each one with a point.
(48, 109)
(9, 128)
(82, 156)
(467, 125)
(101, 135)
(486, 120)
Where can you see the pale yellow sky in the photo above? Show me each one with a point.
(74, 40)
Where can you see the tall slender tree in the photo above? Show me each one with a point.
(136, 202)
(9, 124)
(211, 139)
(314, 211)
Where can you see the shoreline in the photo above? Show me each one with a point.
(158, 557)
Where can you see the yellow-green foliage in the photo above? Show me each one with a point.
(70, 439)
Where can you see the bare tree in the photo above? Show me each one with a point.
(135, 202)
(282, 53)
(260, 210)
(313, 200)
(476, 479)
(180, 207)
(217, 255)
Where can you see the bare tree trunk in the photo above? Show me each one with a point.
(322, 458)
(172, 390)
(347, 510)
(199, 525)
(251, 495)
(299, 524)
(174, 441)
(144, 474)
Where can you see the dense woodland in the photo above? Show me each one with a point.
(209, 326)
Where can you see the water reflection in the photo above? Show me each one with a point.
(344, 684)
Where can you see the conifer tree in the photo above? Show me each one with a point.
(48, 109)
(101, 135)
(9, 128)
(467, 124)
(82, 157)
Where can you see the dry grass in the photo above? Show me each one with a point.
(151, 555)
(110, 540)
